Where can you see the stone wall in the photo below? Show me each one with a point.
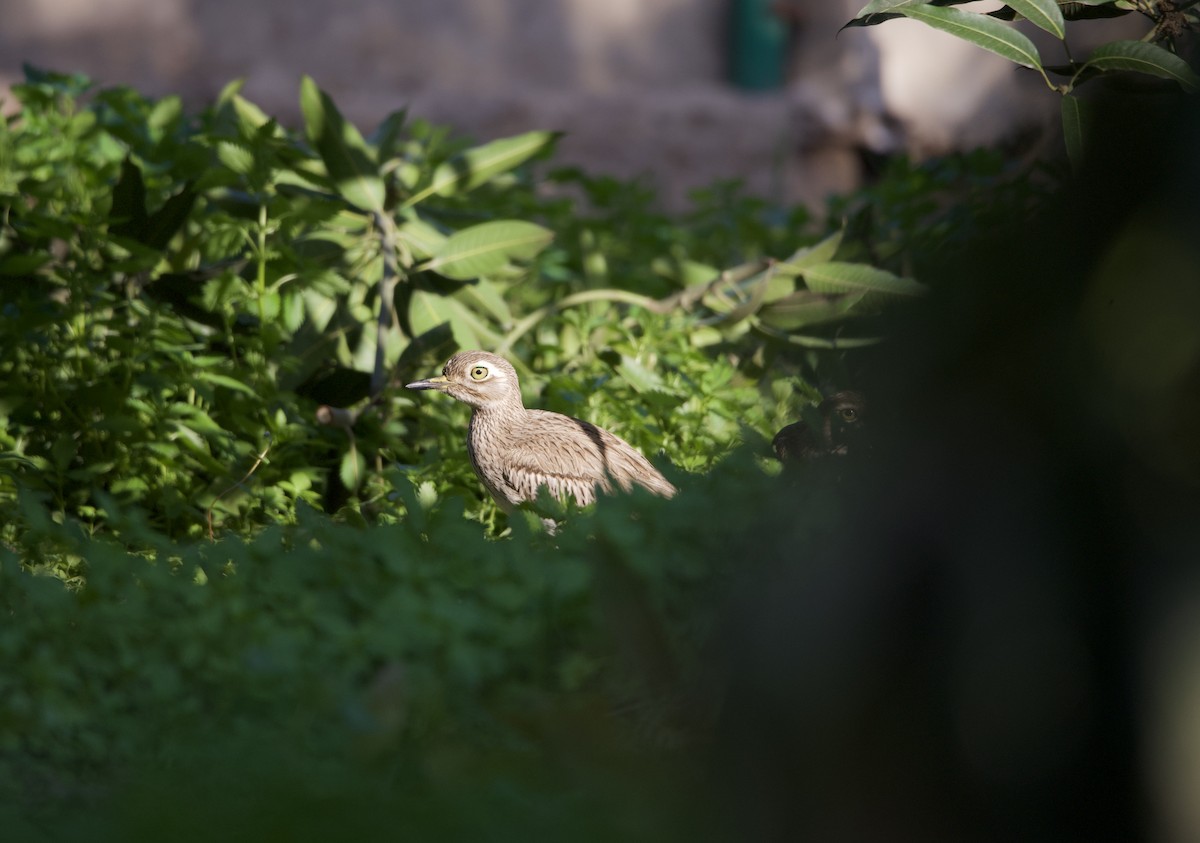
(637, 84)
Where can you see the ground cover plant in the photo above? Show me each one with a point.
(250, 588)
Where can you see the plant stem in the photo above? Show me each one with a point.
(387, 294)
(525, 325)
(261, 258)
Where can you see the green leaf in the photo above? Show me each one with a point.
(487, 296)
(353, 469)
(128, 217)
(236, 156)
(166, 113)
(878, 11)
(250, 117)
(487, 248)
(876, 285)
(481, 164)
(1043, 14)
(427, 310)
(224, 380)
(386, 137)
(1075, 119)
(353, 171)
(24, 264)
(194, 418)
(421, 238)
(980, 30)
(736, 301)
(821, 252)
(167, 220)
(877, 6)
(805, 307)
(1141, 57)
(641, 378)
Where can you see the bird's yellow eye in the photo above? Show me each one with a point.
(848, 414)
(479, 373)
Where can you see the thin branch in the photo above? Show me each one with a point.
(257, 462)
(387, 299)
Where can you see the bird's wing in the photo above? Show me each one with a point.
(574, 457)
(564, 465)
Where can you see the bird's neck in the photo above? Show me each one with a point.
(497, 416)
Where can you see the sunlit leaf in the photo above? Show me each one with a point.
(217, 379)
(427, 310)
(481, 164)
(641, 378)
(236, 156)
(487, 248)
(876, 286)
(980, 30)
(421, 238)
(809, 255)
(352, 469)
(486, 296)
(353, 171)
(806, 307)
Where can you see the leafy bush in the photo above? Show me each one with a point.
(226, 535)
(204, 314)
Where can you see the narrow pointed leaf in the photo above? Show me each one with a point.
(386, 137)
(877, 6)
(737, 301)
(1141, 57)
(878, 11)
(421, 238)
(1044, 14)
(428, 310)
(487, 248)
(877, 286)
(353, 469)
(236, 156)
(805, 307)
(639, 376)
(353, 171)
(821, 252)
(483, 163)
(980, 30)
(224, 380)
(1075, 119)
(127, 216)
(485, 296)
(165, 223)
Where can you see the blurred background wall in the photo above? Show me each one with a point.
(641, 86)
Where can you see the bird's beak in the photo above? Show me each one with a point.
(431, 383)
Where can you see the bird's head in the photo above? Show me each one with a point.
(843, 417)
(477, 378)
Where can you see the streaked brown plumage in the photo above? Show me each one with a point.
(516, 451)
(841, 431)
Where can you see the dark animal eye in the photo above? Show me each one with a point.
(848, 414)
(479, 373)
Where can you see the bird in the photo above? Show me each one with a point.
(517, 451)
(842, 431)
